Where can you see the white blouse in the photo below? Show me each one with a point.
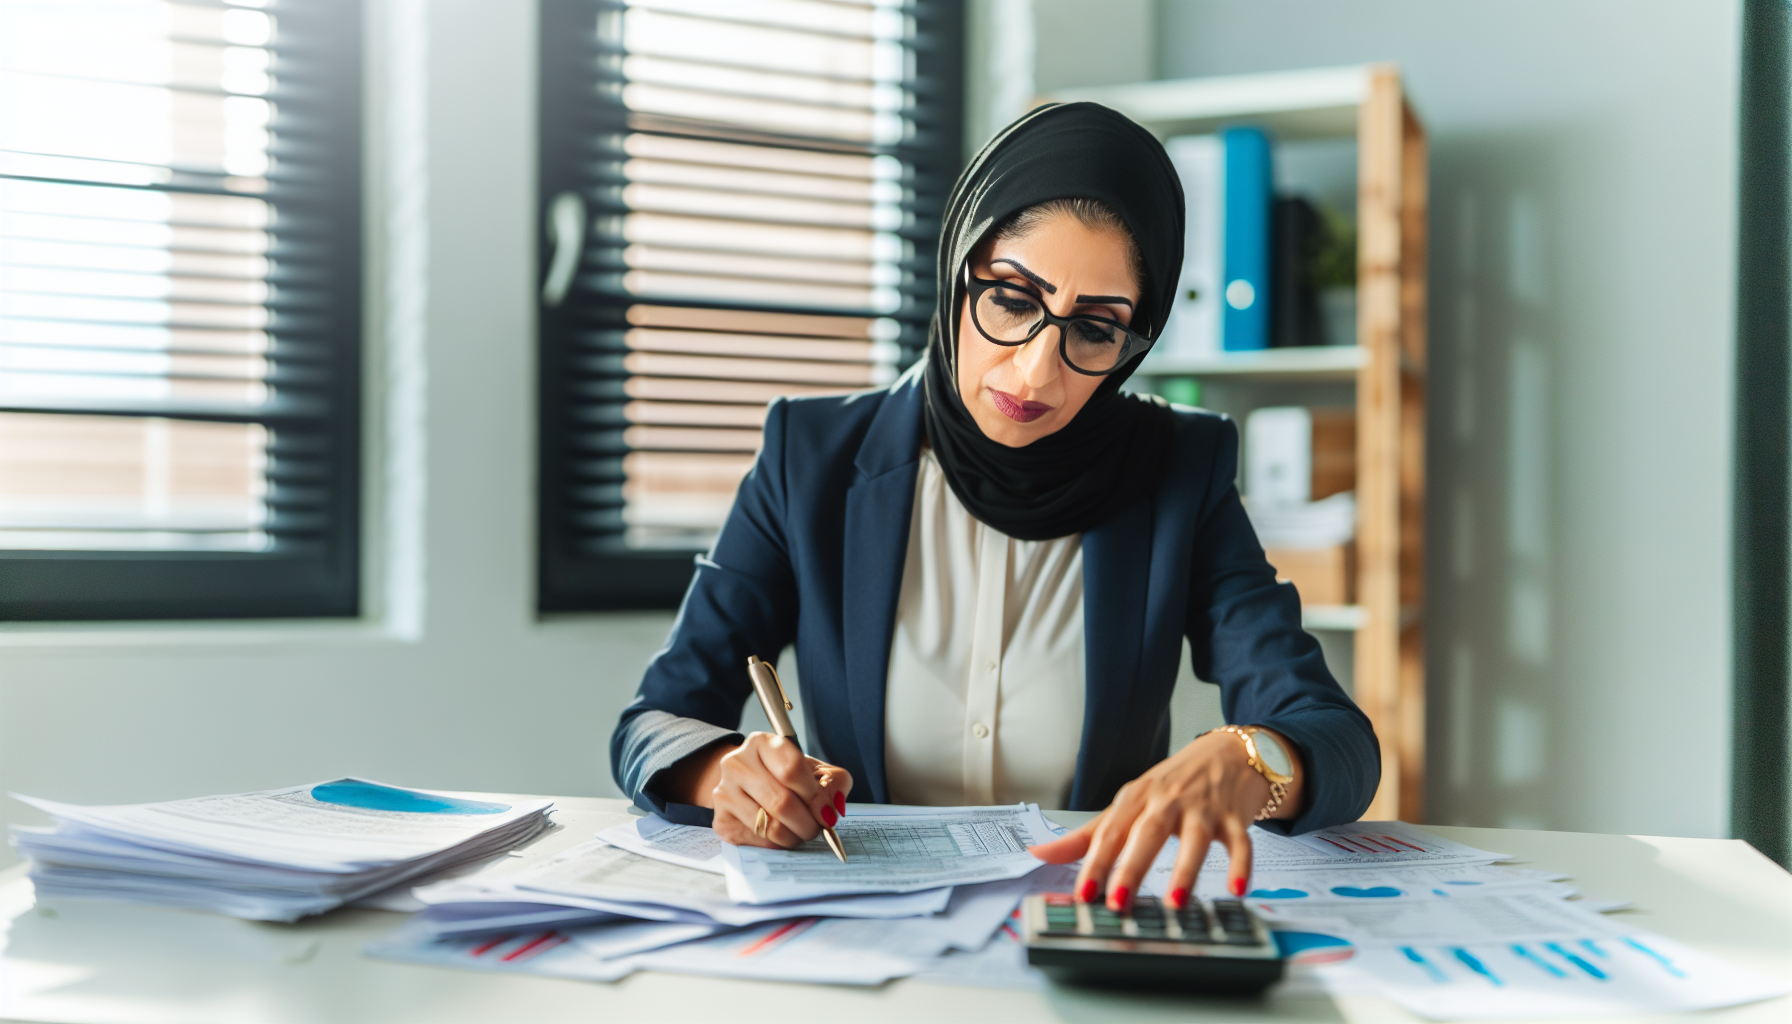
(984, 703)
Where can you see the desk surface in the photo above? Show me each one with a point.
(103, 963)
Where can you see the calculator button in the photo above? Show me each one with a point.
(1193, 921)
(1105, 922)
(1236, 922)
(1232, 915)
(1150, 928)
(1148, 916)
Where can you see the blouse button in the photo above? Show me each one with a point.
(980, 731)
(990, 665)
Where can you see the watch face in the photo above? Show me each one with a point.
(1274, 757)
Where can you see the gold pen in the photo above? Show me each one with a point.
(775, 703)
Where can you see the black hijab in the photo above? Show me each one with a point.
(1116, 450)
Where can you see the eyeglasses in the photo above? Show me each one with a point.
(1090, 345)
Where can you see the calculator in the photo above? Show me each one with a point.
(1207, 946)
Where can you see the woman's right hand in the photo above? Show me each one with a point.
(799, 793)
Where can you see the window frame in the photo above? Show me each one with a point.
(571, 580)
(323, 98)
(1761, 495)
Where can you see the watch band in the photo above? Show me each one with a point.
(1278, 783)
(1278, 792)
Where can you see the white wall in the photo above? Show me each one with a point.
(1093, 42)
(452, 682)
(1583, 193)
(1019, 50)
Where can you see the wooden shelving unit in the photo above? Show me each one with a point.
(1368, 104)
(1317, 362)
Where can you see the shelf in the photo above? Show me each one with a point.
(1320, 103)
(1314, 363)
(1343, 618)
(1366, 104)
(1348, 618)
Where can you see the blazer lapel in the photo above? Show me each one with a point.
(879, 505)
(1116, 592)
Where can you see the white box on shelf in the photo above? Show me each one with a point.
(1193, 329)
(1278, 455)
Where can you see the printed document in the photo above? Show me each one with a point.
(276, 855)
(600, 876)
(687, 845)
(895, 849)
(1002, 960)
(1360, 844)
(295, 828)
(1497, 916)
(821, 950)
(1379, 885)
(1633, 973)
(798, 946)
(1507, 951)
(594, 953)
(839, 951)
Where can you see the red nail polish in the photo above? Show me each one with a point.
(1237, 887)
(1086, 894)
(840, 802)
(1179, 898)
(1118, 898)
(828, 817)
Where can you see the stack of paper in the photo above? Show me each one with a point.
(277, 855)
(919, 883)
(1315, 524)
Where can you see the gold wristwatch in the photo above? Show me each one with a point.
(1265, 753)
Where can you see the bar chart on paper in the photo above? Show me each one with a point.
(1502, 948)
(1567, 977)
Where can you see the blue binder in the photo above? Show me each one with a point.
(1250, 194)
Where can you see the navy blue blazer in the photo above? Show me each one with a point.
(813, 553)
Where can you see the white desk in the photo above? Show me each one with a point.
(100, 963)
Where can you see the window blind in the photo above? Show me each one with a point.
(179, 307)
(740, 201)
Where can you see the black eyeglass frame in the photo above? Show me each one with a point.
(1136, 344)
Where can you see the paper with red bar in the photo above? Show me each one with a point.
(818, 950)
(1357, 846)
(1360, 844)
(1388, 842)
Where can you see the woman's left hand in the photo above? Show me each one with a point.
(1204, 793)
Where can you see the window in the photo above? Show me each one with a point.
(179, 308)
(740, 200)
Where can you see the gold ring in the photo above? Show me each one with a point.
(760, 822)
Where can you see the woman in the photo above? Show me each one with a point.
(989, 566)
